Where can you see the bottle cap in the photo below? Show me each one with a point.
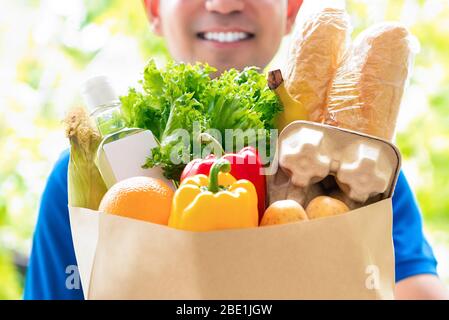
(98, 91)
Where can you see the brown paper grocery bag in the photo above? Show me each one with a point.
(343, 257)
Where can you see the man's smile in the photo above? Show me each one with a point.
(225, 36)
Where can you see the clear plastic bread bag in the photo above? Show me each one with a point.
(319, 41)
(367, 91)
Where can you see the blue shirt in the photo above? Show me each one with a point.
(52, 256)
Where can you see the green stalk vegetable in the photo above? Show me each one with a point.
(85, 184)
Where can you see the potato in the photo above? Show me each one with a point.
(283, 211)
(323, 206)
(340, 195)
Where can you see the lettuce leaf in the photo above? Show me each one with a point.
(179, 95)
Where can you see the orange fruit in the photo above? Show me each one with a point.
(283, 211)
(142, 198)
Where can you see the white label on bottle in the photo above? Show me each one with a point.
(127, 155)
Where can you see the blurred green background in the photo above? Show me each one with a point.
(49, 47)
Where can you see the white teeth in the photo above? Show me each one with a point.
(226, 36)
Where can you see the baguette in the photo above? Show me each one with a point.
(317, 49)
(367, 90)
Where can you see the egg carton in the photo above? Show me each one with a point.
(316, 159)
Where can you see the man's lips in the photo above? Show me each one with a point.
(225, 36)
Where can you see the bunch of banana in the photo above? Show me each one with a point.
(293, 109)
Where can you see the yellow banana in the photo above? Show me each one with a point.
(293, 109)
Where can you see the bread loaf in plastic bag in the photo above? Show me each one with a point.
(318, 46)
(367, 90)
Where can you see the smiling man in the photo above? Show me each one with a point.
(225, 34)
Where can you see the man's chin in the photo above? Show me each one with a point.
(227, 58)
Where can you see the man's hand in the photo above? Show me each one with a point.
(421, 287)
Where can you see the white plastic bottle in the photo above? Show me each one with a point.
(104, 104)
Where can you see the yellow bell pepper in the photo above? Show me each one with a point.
(217, 202)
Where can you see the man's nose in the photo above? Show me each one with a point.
(224, 6)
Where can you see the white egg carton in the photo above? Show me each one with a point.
(316, 159)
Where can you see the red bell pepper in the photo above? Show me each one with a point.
(245, 164)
